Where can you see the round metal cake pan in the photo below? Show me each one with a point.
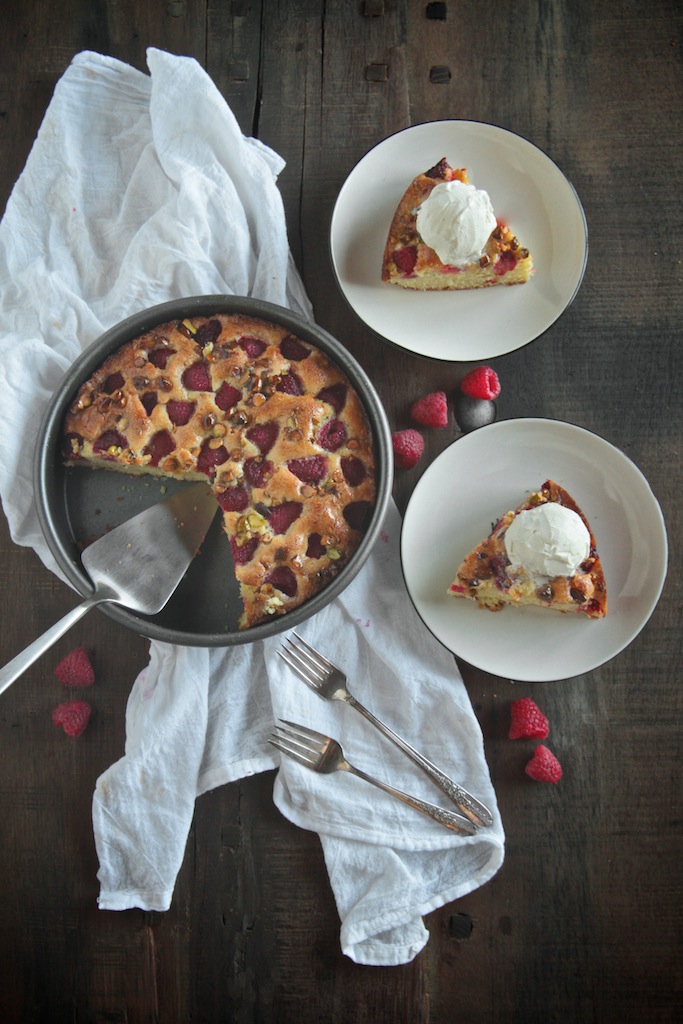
(77, 505)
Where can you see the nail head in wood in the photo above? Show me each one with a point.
(460, 926)
(238, 70)
(436, 12)
(440, 75)
(377, 73)
(176, 8)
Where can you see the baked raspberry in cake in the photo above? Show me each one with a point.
(541, 553)
(441, 210)
(268, 419)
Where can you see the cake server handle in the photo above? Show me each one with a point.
(18, 665)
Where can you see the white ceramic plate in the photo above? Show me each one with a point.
(485, 473)
(528, 191)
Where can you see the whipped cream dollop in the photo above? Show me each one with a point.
(456, 221)
(549, 540)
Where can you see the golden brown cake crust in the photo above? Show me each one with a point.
(270, 420)
(486, 576)
(409, 263)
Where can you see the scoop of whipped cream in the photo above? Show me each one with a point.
(456, 221)
(549, 540)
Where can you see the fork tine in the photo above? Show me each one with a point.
(314, 656)
(303, 664)
(296, 739)
(302, 671)
(293, 743)
(296, 755)
(302, 732)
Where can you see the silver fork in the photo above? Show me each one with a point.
(329, 682)
(321, 753)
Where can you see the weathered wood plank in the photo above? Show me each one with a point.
(581, 924)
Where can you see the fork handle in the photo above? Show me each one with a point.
(450, 819)
(472, 808)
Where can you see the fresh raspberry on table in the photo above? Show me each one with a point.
(408, 446)
(431, 410)
(544, 766)
(75, 669)
(527, 721)
(73, 716)
(481, 382)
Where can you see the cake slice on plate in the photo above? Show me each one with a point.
(541, 553)
(445, 235)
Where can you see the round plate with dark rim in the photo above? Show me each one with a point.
(76, 505)
(477, 479)
(528, 192)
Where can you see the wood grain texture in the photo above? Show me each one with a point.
(582, 923)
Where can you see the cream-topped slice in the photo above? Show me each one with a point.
(456, 221)
(547, 541)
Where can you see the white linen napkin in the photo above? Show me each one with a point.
(139, 189)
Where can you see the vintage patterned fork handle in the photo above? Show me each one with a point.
(450, 819)
(472, 808)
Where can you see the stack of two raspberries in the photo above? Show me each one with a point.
(527, 721)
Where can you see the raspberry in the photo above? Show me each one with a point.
(310, 469)
(149, 400)
(75, 669)
(197, 377)
(160, 445)
(253, 346)
(357, 515)
(208, 333)
(431, 410)
(408, 446)
(257, 471)
(440, 170)
(544, 766)
(290, 384)
(114, 382)
(210, 458)
(335, 396)
(316, 548)
(282, 516)
(263, 435)
(227, 396)
(73, 716)
(332, 435)
(159, 357)
(179, 413)
(283, 579)
(481, 383)
(406, 258)
(243, 553)
(233, 499)
(527, 721)
(293, 349)
(109, 439)
(354, 470)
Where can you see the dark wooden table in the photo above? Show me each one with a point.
(583, 922)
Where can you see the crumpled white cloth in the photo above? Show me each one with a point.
(141, 188)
